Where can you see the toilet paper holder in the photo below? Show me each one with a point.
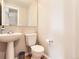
(49, 41)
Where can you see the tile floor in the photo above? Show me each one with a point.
(28, 57)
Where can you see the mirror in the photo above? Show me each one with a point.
(0, 13)
(19, 12)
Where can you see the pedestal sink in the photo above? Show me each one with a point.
(10, 38)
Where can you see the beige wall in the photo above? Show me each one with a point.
(32, 14)
(23, 16)
(77, 28)
(43, 22)
(2, 50)
(70, 29)
(0, 1)
(57, 21)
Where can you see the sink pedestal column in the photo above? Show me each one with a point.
(10, 50)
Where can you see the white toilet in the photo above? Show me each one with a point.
(37, 50)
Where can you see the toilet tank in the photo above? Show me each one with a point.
(31, 39)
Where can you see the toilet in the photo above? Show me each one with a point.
(36, 50)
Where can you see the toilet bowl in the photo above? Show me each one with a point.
(36, 50)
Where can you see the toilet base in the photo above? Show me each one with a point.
(35, 58)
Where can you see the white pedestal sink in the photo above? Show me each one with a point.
(10, 38)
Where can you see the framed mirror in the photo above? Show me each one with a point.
(19, 12)
(11, 16)
(0, 14)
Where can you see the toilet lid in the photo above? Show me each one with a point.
(37, 48)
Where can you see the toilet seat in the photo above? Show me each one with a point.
(37, 48)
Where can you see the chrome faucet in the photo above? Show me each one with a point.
(2, 29)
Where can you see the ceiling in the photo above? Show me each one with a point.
(20, 2)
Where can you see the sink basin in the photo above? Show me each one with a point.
(8, 37)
